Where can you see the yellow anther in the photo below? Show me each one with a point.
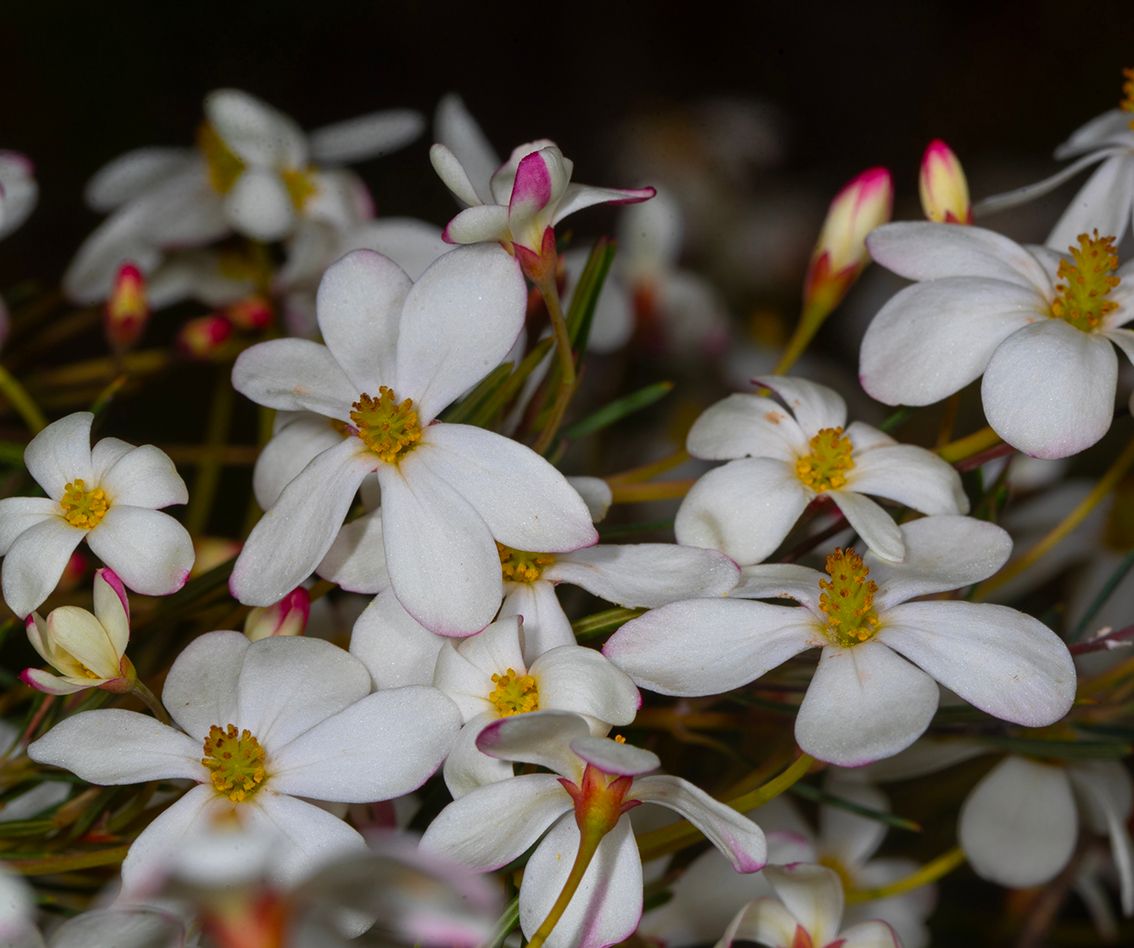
(1081, 301)
(514, 694)
(81, 507)
(825, 468)
(520, 566)
(223, 165)
(1127, 104)
(300, 184)
(619, 739)
(847, 600)
(386, 426)
(236, 762)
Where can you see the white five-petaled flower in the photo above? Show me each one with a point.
(786, 459)
(261, 727)
(109, 495)
(396, 354)
(591, 778)
(1038, 325)
(866, 700)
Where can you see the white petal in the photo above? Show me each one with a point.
(544, 738)
(133, 927)
(478, 224)
(746, 425)
(458, 131)
(145, 477)
(1029, 192)
(763, 920)
(149, 550)
(709, 646)
(61, 453)
(741, 840)
(876, 527)
(367, 136)
(526, 503)
(813, 894)
(396, 649)
(258, 133)
(294, 375)
(781, 581)
(297, 441)
(313, 836)
(1105, 787)
(259, 206)
(291, 539)
(744, 509)
(934, 338)
(814, 406)
(130, 174)
(596, 495)
(576, 197)
(1103, 203)
(545, 623)
(909, 475)
(200, 689)
(1049, 389)
(863, 704)
(18, 514)
(606, 907)
(119, 747)
(872, 934)
(360, 306)
(149, 855)
(1018, 826)
(454, 176)
(412, 244)
(611, 757)
(467, 767)
(849, 837)
(578, 679)
(458, 322)
(106, 453)
(35, 561)
(356, 560)
(471, 832)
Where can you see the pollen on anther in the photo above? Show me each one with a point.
(386, 426)
(847, 600)
(514, 694)
(1081, 300)
(829, 459)
(521, 566)
(81, 507)
(235, 760)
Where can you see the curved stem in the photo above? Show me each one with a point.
(143, 694)
(24, 404)
(930, 872)
(550, 293)
(622, 493)
(588, 845)
(969, 445)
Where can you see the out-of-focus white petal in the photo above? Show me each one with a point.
(128, 175)
(61, 453)
(871, 934)
(145, 477)
(179, 823)
(259, 206)
(746, 425)
(814, 895)
(763, 920)
(876, 527)
(596, 495)
(458, 132)
(35, 561)
(396, 649)
(1105, 789)
(149, 550)
(294, 375)
(849, 837)
(367, 136)
(412, 244)
(256, 132)
(453, 175)
(313, 836)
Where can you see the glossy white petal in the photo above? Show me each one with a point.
(1103, 203)
(545, 623)
(746, 425)
(149, 550)
(578, 679)
(876, 527)
(145, 477)
(313, 836)
(356, 560)
(35, 561)
(576, 197)
(543, 739)
(294, 375)
(18, 514)
(814, 406)
(61, 453)
(367, 136)
(911, 476)
(396, 649)
(200, 689)
(294, 445)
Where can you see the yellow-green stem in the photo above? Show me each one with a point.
(588, 844)
(622, 493)
(969, 445)
(647, 471)
(209, 467)
(20, 400)
(550, 293)
(930, 872)
(143, 694)
(810, 321)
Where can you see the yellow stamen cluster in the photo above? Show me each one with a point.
(514, 694)
(825, 468)
(300, 184)
(848, 600)
(1127, 104)
(236, 762)
(81, 507)
(1081, 301)
(224, 165)
(520, 566)
(386, 426)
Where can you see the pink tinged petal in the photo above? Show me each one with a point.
(259, 206)
(781, 581)
(646, 574)
(849, 837)
(294, 375)
(932, 339)
(872, 934)
(1105, 788)
(814, 406)
(382, 746)
(292, 538)
(709, 646)
(876, 527)
(576, 197)
(736, 836)
(53, 684)
(1103, 202)
(258, 133)
(453, 175)
(312, 836)
(524, 500)
(572, 678)
(466, 767)
(613, 758)
(360, 306)
(130, 174)
(863, 704)
(149, 550)
(356, 560)
(746, 425)
(367, 136)
(543, 739)
(294, 445)
(545, 623)
(923, 251)
(533, 187)
(942, 553)
(813, 894)
(1003, 661)
(201, 687)
(35, 561)
(763, 920)
(149, 855)
(478, 224)
(910, 476)
(458, 323)
(76, 636)
(607, 906)
(145, 477)
(19, 514)
(442, 560)
(114, 747)
(61, 453)
(396, 649)
(744, 509)
(470, 830)
(1019, 825)
(458, 131)
(1049, 389)
(504, 177)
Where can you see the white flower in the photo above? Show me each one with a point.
(1038, 326)
(261, 728)
(866, 701)
(789, 458)
(18, 190)
(593, 779)
(397, 353)
(109, 495)
(808, 911)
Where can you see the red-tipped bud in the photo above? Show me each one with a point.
(200, 338)
(286, 617)
(942, 185)
(127, 310)
(252, 314)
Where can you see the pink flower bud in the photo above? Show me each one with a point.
(286, 617)
(210, 552)
(942, 185)
(127, 310)
(200, 338)
(252, 314)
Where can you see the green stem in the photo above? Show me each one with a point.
(588, 845)
(550, 293)
(143, 694)
(209, 467)
(25, 406)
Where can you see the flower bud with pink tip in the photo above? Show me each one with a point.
(942, 186)
(200, 338)
(127, 309)
(286, 617)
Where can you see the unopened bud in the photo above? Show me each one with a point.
(200, 338)
(942, 185)
(252, 314)
(286, 617)
(127, 310)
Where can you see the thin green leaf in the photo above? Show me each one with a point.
(471, 403)
(809, 792)
(1111, 584)
(599, 623)
(507, 923)
(584, 297)
(618, 409)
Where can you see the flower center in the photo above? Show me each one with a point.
(1127, 104)
(514, 694)
(848, 600)
(223, 165)
(236, 761)
(300, 184)
(386, 426)
(1081, 300)
(520, 566)
(81, 507)
(825, 468)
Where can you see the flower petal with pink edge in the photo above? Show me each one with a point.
(1018, 826)
(744, 509)
(366, 136)
(1049, 389)
(606, 907)
(19, 514)
(52, 684)
(471, 832)
(814, 406)
(741, 840)
(61, 453)
(571, 678)
(932, 339)
(145, 477)
(294, 375)
(313, 836)
(298, 439)
(478, 224)
(864, 703)
(200, 689)
(539, 179)
(709, 646)
(259, 206)
(746, 425)
(35, 561)
(181, 822)
(576, 197)
(545, 623)
(458, 323)
(765, 921)
(149, 550)
(292, 538)
(543, 739)
(814, 895)
(396, 649)
(876, 527)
